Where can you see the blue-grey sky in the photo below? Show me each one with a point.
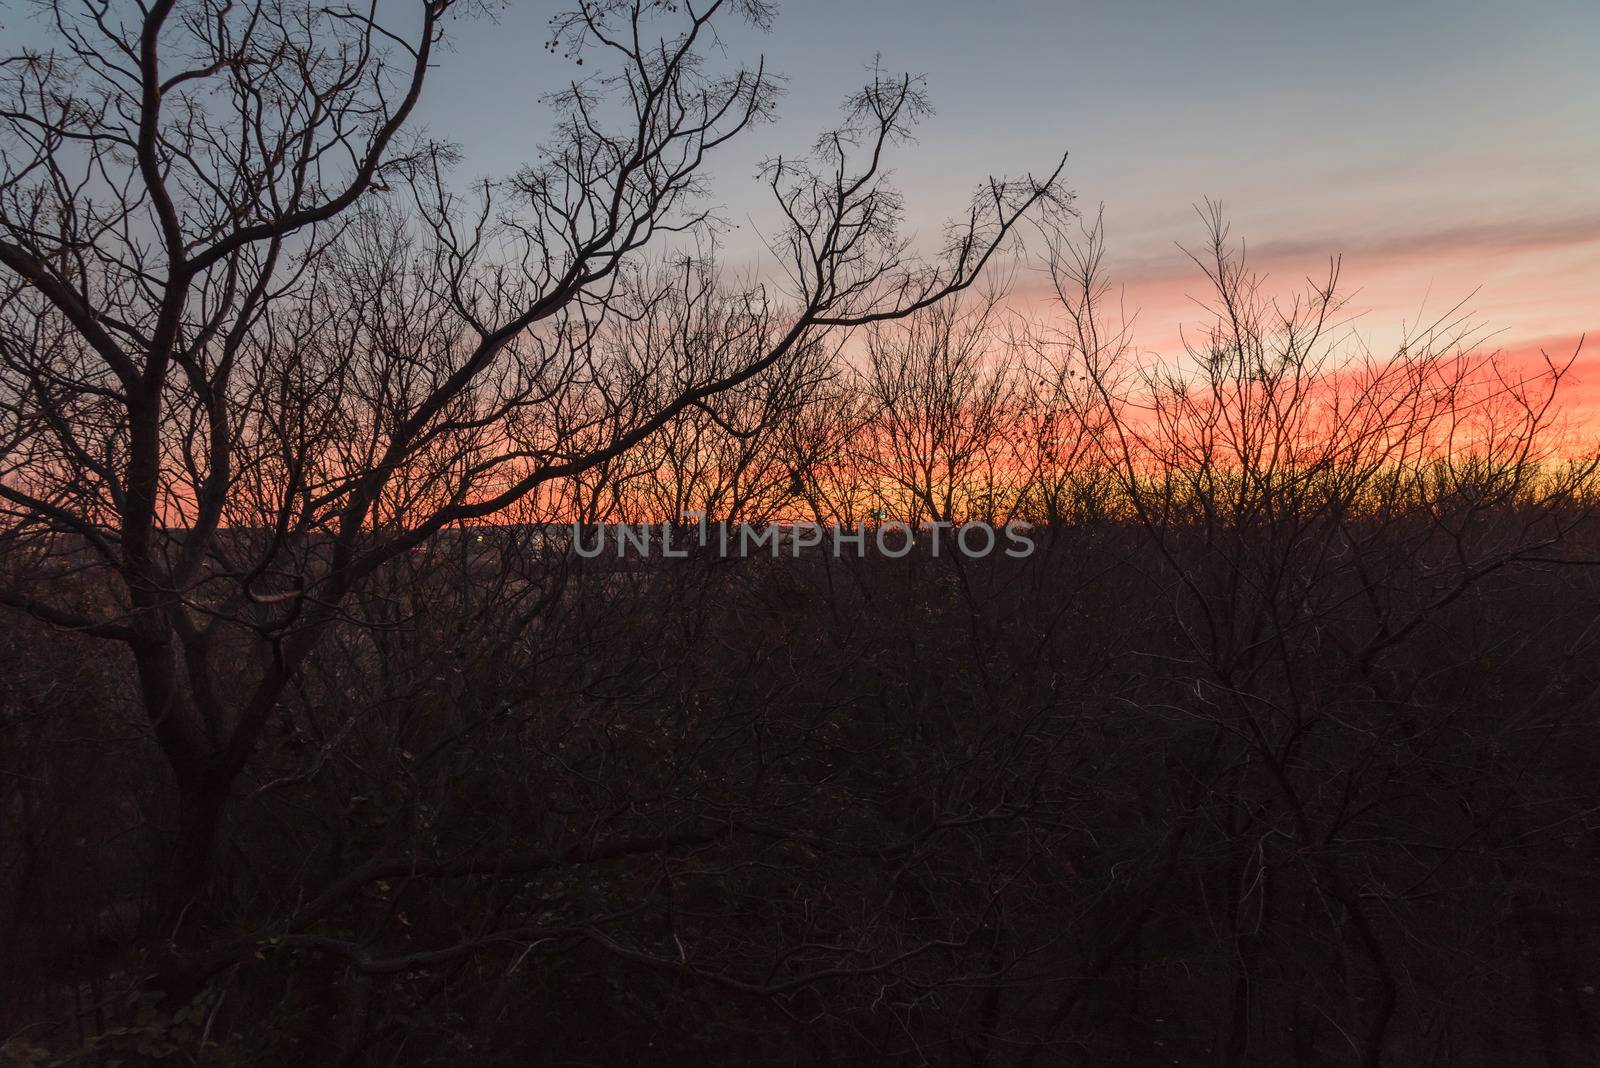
(1441, 145)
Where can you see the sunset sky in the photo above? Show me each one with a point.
(1448, 149)
(1441, 147)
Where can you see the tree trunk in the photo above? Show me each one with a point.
(201, 804)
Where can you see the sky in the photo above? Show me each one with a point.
(1449, 151)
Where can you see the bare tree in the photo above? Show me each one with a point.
(256, 348)
(1277, 749)
(1313, 511)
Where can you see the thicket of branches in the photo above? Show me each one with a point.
(322, 745)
